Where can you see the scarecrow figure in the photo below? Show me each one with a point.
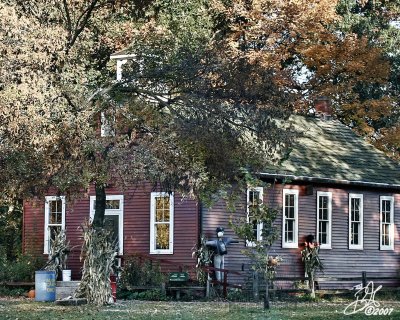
(219, 248)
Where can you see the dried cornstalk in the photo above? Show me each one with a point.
(98, 253)
(59, 250)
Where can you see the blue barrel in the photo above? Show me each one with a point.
(45, 285)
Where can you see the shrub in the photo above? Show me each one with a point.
(152, 295)
(19, 270)
(141, 272)
(236, 295)
(9, 292)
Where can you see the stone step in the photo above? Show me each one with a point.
(67, 283)
(65, 289)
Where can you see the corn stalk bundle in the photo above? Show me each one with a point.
(59, 250)
(203, 255)
(98, 253)
(312, 262)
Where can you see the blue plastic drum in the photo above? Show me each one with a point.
(45, 285)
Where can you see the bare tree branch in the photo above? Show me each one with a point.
(82, 22)
(68, 18)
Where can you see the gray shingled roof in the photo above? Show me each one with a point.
(329, 151)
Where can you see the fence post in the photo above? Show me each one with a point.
(225, 284)
(208, 288)
(255, 286)
(364, 279)
(163, 289)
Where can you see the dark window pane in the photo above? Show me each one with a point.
(55, 212)
(386, 205)
(323, 214)
(386, 240)
(357, 205)
(289, 212)
(323, 232)
(324, 202)
(324, 227)
(111, 223)
(291, 202)
(355, 233)
(386, 234)
(289, 234)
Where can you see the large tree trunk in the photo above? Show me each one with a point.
(99, 253)
(100, 208)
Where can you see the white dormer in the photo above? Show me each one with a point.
(121, 57)
(107, 120)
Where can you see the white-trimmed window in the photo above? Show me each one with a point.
(290, 225)
(324, 219)
(162, 223)
(54, 219)
(355, 221)
(113, 219)
(386, 223)
(254, 198)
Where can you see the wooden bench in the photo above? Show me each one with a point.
(178, 283)
(177, 280)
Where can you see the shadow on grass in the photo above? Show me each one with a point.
(27, 309)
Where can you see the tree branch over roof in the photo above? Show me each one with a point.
(82, 22)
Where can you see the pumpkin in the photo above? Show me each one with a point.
(31, 294)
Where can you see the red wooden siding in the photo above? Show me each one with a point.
(338, 261)
(136, 215)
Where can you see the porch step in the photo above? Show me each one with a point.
(65, 289)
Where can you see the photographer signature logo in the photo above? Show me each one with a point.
(365, 302)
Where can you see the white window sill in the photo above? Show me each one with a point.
(325, 246)
(356, 248)
(161, 252)
(386, 248)
(290, 245)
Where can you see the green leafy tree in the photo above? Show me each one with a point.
(185, 119)
(208, 92)
(377, 116)
(10, 230)
(259, 250)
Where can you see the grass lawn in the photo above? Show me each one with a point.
(28, 309)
